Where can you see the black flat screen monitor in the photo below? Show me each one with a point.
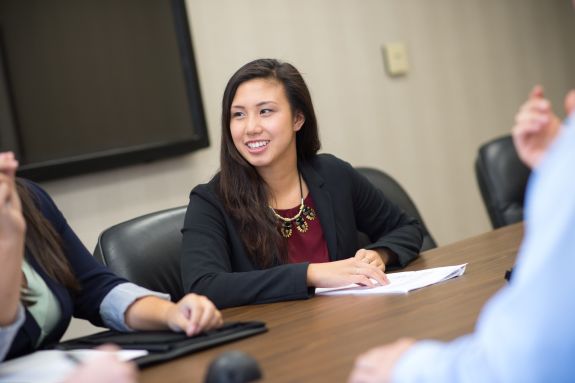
(88, 85)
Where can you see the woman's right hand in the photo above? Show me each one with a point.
(12, 237)
(12, 224)
(8, 164)
(345, 272)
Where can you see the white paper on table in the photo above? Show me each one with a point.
(399, 283)
(51, 366)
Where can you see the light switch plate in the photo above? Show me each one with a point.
(395, 57)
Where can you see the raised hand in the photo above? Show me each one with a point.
(570, 103)
(12, 223)
(12, 237)
(536, 126)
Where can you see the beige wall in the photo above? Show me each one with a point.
(472, 63)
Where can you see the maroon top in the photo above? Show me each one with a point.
(309, 246)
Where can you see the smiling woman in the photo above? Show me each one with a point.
(279, 219)
(262, 125)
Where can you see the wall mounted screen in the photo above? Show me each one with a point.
(87, 85)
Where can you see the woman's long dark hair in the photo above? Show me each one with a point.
(243, 191)
(43, 243)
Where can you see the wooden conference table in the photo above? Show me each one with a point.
(317, 340)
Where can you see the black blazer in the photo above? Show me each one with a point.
(214, 261)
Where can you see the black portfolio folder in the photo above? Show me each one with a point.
(166, 345)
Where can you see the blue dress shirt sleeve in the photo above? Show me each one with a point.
(117, 301)
(526, 332)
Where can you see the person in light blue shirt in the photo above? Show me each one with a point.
(526, 332)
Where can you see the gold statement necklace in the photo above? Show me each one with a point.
(304, 212)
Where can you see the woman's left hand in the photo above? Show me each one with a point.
(194, 314)
(371, 257)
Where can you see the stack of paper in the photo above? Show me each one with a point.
(399, 283)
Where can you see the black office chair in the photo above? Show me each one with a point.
(393, 190)
(146, 250)
(502, 179)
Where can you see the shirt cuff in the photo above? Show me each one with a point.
(434, 361)
(117, 301)
(8, 333)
